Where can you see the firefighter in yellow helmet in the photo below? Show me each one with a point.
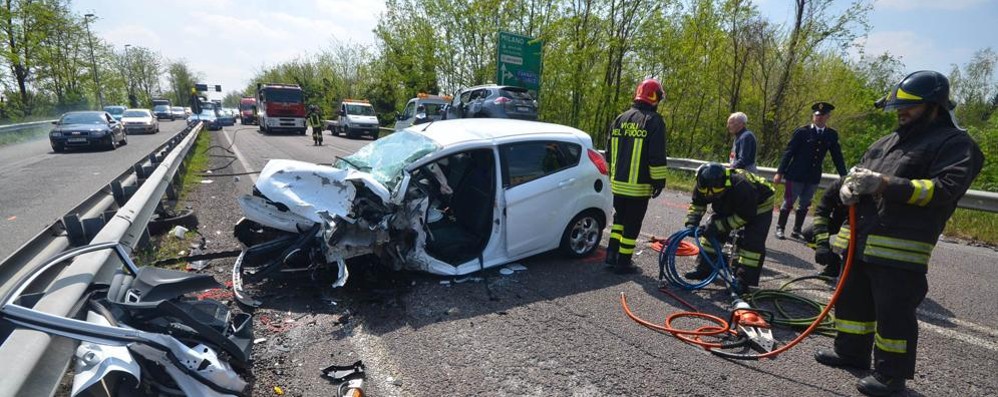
(905, 188)
(636, 151)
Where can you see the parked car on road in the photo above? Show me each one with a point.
(209, 118)
(163, 112)
(433, 110)
(115, 111)
(178, 112)
(356, 117)
(87, 129)
(493, 101)
(139, 121)
(226, 117)
(450, 198)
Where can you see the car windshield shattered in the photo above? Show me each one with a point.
(385, 158)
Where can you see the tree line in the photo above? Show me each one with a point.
(714, 57)
(51, 63)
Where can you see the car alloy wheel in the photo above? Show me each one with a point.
(583, 235)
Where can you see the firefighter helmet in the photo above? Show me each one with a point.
(650, 92)
(712, 178)
(924, 86)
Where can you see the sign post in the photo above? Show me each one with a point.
(519, 62)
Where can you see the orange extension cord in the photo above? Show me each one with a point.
(724, 327)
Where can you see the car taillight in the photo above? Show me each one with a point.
(501, 100)
(598, 161)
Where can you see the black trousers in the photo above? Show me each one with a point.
(876, 311)
(628, 213)
(751, 247)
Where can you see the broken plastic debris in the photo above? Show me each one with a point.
(444, 282)
(278, 391)
(506, 271)
(466, 279)
(516, 267)
(453, 311)
(206, 181)
(208, 172)
(259, 340)
(179, 231)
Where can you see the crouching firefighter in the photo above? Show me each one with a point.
(740, 200)
(906, 187)
(315, 120)
(636, 151)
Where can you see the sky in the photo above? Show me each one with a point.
(228, 41)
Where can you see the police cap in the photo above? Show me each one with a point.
(822, 108)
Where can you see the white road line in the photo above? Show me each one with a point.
(239, 156)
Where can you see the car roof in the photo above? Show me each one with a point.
(512, 87)
(100, 112)
(450, 132)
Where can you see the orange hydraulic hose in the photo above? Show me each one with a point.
(686, 248)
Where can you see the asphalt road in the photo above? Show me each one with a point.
(38, 186)
(557, 329)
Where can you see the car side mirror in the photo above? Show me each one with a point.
(55, 122)
(398, 116)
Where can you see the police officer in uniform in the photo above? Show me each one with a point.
(315, 120)
(905, 188)
(740, 199)
(636, 151)
(800, 167)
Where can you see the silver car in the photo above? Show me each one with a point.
(139, 121)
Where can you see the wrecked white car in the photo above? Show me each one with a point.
(449, 198)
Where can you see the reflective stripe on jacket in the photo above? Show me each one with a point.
(636, 150)
(745, 196)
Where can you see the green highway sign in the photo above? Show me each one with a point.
(519, 62)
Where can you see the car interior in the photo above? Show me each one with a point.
(460, 223)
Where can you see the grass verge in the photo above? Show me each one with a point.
(965, 224)
(167, 245)
(12, 137)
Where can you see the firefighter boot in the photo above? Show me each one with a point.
(798, 224)
(781, 224)
(880, 385)
(624, 266)
(833, 359)
(611, 259)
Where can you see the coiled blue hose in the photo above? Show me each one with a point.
(667, 262)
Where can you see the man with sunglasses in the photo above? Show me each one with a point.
(740, 200)
(905, 188)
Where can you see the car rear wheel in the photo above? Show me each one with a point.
(124, 139)
(582, 235)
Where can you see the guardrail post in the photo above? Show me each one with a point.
(74, 229)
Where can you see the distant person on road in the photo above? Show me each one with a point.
(636, 151)
(801, 165)
(905, 188)
(743, 150)
(315, 121)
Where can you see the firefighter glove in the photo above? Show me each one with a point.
(860, 181)
(824, 255)
(655, 192)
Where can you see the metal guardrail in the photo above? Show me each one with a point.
(24, 126)
(974, 199)
(32, 362)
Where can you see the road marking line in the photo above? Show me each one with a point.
(239, 155)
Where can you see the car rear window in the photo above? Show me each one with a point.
(135, 113)
(515, 94)
(527, 161)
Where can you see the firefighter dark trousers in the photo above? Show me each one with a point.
(628, 213)
(876, 311)
(751, 248)
(316, 135)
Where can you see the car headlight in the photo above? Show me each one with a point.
(98, 133)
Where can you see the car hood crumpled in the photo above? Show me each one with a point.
(309, 191)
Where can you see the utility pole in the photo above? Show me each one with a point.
(93, 61)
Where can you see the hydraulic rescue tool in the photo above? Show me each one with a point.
(747, 326)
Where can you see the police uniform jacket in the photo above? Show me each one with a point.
(636, 151)
(804, 155)
(745, 196)
(930, 169)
